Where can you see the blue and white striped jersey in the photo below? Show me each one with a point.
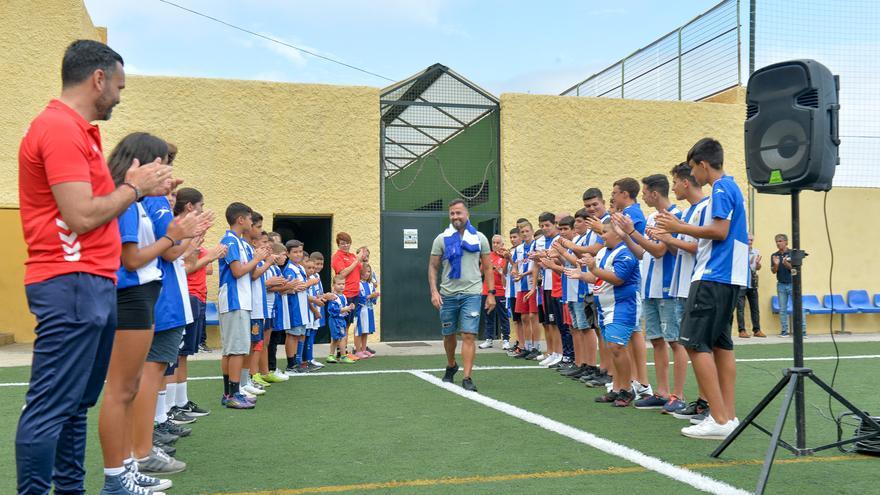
(136, 227)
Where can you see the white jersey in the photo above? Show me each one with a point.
(544, 243)
(684, 261)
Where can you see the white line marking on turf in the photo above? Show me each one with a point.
(694, 479)
(491, 368)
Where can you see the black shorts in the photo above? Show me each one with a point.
(590, 310)
(511, 305)
(708, 316)
(134, 306)
(549, 312)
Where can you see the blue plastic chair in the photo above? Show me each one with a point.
(839, 307)
(212, 316)
(812, 306)
(877, 300)
(858, 299)
(774, 303)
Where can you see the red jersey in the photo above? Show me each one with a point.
(498, 263)
(197, 280)
(60, 146)
(340, 261)
(557, 285)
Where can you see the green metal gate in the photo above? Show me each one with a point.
(439, 141)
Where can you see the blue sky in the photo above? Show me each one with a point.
(503, 46)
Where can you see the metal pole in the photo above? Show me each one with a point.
(752, 23)
(679, 64)
(797, 318)
(622, 76)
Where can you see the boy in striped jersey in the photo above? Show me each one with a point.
(511, 288)
(281, 313)
(255, 385)
(338, 309)
(320, 299)
(274, 286)
(549, 311)
(576, 291)
(298, 304)
(525, 276)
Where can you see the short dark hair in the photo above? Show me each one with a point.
(629, 186)
(582, 213)
(782, 236)
(546, 217)
(657, 183)
(457, 201)
(274, 234)
(83, 57)
(593, 192)
(237, 210)
(141, 145)
(256, 217)
(186, 195)
(567, 221)
(525, 222)
(683, 171)
(514, 230)
(293, 243)
(317, 256)
(707, 150)
(539, 232)
(522, 220)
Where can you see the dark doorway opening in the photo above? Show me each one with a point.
(315, 232)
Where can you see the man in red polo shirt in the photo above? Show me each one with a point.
(69, 206)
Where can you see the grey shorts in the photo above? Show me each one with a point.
(165, 346)
(235, 332)
(297, 331)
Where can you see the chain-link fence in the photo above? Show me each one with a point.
(694, 61)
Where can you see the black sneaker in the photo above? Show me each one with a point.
(164, 437)
(599, 381)
(608, 398)
(561, 365)
(370, 350)
(450, 372)
(169, 427)
(204, 348)
(522, 354)
(179, 417)
(311, 367)
(590, 373)
(694, 408)
(574, 373)
(624, 398)
(532, 355)
(168, 449)
(193, 409)
(468, 385)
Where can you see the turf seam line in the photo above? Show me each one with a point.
(492, 368)
(694, 479)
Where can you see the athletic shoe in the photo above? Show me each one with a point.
(310, 366)
(205, 348)
(710, 430)
(347, 360)
(331, 360)
(371, 351)
(159, 462)
(608, 397)
(352, 357)
(699, 418)
(148, 483)
(238, 401)
(250, 397)
(557, 361)
(651, 402)
(505, 345)
(122, 484)
(785, 335)
(599, 381)
(270, 377)
(574, 372)
(304, 367)
(562, 364)
(760, 334)
(673, 404)
(486, 344)
(193, 409)
(170, 427)
(698, 406)
(609, 386)
(256, 385)
(259, 380)
(251, 389)
(317, 363)
(279, 375)
(362, 355)
(533, 355)
(546, 360)
(450, 373)
(164, 437)
(179, 417)
(165, 448)
(468, 385)
(624, 398)
(522, 354)
(640, 390)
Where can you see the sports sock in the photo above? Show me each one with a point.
(308, 352)
(182, 394)
(160, 416)
(245, 376)
(114, 471)
(170, 396)
(226, 385)
(299, 352)
(291, 362)
(233, 388)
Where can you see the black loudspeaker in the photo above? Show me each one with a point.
(791, 129)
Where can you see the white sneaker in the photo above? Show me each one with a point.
(505, 345)
(553, 359)
(317, 363)
(546, 360)
(640, 390)
(541, 357)
(609, 386)
(486, 344)
(710, 430)
(280, 375)
(249, 389)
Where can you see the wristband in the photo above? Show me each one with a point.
(137, 192)
(173, 242)
(631, 232)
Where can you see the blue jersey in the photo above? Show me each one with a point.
(173, 308)
(524, 265)
(318, 291)
(725, 261)
(259, 304)
(235, 293)
(272, 271)
(281, 316)
(335, 320)
(136, 227)
(298, 303)
(684, 260)
(365, 321)
(544, 243)
(634, 211)
(573, 289)
(594, 238)
(657, 272)
(618, 304)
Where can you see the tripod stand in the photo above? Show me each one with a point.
(792, 380)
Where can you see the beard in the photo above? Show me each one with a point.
(458, 224)
(105, 105)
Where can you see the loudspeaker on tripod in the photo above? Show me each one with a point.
(791, 128)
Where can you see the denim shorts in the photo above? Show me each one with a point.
(460, 313)
(618, 333)
(578, 315)
(297, 331)
(660, 320)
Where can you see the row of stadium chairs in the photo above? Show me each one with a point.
(857, 301)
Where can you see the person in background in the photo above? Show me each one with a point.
(781, 266)
(348, 264)
(750, 293)
(499, 318)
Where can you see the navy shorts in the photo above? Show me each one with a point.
(194, 330)
(257, 331)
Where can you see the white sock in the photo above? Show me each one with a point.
(161, 416)
(170, 396)
(182, 394)
(114, 471)
(245, 376)
(129, 462)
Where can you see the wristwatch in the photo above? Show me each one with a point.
(492, 292)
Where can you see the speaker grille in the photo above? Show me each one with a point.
(751, 110)
(809, 99)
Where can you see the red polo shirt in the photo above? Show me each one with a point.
(498, 263)
(60, 146)
(197, 281)
(340, 261)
